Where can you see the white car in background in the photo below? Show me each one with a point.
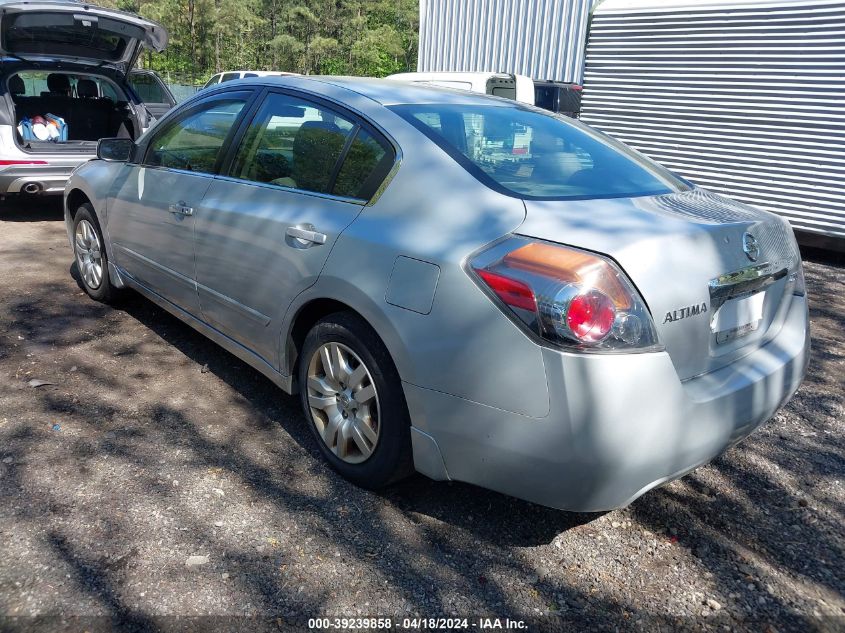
(219, 78)
(516, 87)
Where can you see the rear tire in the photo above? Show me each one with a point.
(353, 399)
(92, 261)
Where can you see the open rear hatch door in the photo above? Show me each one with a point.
(717, 275)
(78, 33)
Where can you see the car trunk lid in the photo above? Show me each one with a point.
(78, 33)
(713, 297)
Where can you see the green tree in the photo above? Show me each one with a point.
(362, 37)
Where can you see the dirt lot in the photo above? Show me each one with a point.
(158, 476)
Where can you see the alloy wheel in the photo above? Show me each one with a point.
(89, 256)
(344, 403)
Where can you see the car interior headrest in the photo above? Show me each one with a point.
(58, 83)
(86, 88)
(312, 169)
(16, 85)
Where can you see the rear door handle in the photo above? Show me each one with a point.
(181, 209)
(306, 233)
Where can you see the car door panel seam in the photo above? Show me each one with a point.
(146, 260)
(253, 314)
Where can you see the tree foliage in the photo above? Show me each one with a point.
(338, 37)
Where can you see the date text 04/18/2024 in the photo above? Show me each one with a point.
(437, 624)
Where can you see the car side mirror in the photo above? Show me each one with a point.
(116, 150)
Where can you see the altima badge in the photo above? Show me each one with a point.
(684, 313)
(749, 245)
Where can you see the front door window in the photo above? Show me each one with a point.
(194, 142)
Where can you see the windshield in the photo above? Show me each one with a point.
(529, 154)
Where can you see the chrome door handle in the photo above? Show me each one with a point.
(306, 233)
(181, 209)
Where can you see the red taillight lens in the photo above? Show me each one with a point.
(6, 163)
(573, 298)
(512, 292)
(590, 316)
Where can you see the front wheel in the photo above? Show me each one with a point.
(353, 399)
(92, 262)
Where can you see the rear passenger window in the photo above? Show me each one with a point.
(107, 90)
(194, 142)
(147, 88)
(365, 166)
(292, 143)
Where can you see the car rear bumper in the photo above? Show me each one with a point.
(36, 179)
(619, 424)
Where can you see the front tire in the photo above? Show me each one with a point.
(352, 397)
(92, 261)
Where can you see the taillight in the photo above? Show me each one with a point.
(590, 316)
(6, 163)
(512, 292)
(567, 296)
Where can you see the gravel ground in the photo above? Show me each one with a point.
(158, 476)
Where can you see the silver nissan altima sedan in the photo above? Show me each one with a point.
(455, 284)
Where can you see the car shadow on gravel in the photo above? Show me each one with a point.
(493, 517)
(823, 256)
(38, 209)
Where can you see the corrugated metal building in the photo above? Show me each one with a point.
(543, 39)
(742, 97)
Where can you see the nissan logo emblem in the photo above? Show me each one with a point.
(749, 245)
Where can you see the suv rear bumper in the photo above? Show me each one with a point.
(36, 179)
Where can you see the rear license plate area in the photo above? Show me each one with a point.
(738, 317)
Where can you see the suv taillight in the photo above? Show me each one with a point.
(570, 297)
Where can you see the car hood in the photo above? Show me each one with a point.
(77, 33)
(685, 254)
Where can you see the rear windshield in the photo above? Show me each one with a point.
(529, 154)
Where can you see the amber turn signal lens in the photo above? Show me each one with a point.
(570, 266)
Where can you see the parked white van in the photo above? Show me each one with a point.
(516, 87)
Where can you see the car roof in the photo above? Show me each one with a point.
(260, 73)
(388, 92)
(465, 76)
